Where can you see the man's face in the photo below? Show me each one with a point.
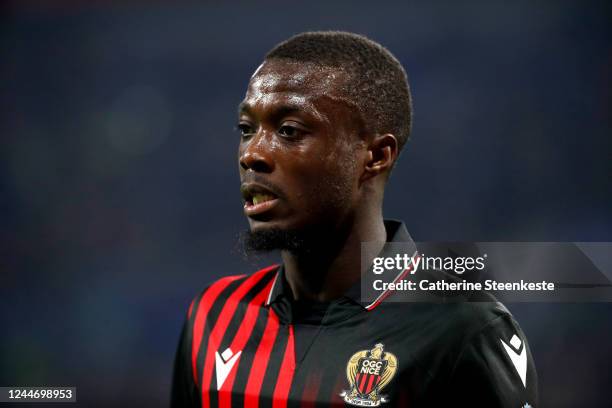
(299, 154)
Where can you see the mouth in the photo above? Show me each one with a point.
(257, 199)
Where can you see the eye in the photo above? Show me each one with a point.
(245, 129)
(288, 131)
(291, 130)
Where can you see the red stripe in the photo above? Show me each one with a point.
(240, 340)
(219, 329)
(285, 375)
(357, 379)
(209, 297)
(339, 387)
(370, 381)
(260, 361)
(378, 380)
(364, 378)
(311, 390)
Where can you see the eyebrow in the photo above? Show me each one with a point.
(283, 109)
(243, 107)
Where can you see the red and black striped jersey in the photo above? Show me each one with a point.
(247, 343)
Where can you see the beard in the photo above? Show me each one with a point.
(322, 236)
(261, 242)
(313, 242)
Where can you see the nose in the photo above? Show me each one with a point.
(256, 155)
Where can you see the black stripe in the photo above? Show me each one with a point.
(211, 320)
(240, 312)
(246, 360)
(232, 329)
(187, 346)
(274, 365)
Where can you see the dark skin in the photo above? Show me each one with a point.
(306, 150)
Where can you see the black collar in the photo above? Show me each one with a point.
(280, 295)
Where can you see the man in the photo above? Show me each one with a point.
(322, 124)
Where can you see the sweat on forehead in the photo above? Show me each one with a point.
(303, 81)
(292, 76)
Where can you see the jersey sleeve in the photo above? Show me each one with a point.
(184, 392)
(495, 369)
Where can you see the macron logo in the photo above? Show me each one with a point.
(224, 363)
(518, 360)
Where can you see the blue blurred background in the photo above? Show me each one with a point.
(118, 174)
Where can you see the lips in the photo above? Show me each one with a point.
(257, 199)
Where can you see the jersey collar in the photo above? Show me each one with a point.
(280, 293)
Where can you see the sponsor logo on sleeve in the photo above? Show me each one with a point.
(519, 360)
(224, 363)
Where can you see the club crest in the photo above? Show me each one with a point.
(368, 372)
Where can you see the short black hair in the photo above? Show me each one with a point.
(378, 83)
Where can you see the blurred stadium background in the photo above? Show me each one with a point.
(118, 177)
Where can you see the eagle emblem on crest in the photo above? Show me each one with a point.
(368, 372)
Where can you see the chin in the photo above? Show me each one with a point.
(259, 226)
(265, 239)
(274, 225)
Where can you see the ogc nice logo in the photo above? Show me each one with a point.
(368, 372)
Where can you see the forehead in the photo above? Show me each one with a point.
(294, 82)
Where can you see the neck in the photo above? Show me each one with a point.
(327, 272)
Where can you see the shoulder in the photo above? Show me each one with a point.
(476, 342)
(450, 328)
(465, 313)
(495, 353)
(233, 289)
(454, 322)
(491, 348)
(479, 315)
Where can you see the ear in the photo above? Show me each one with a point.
(381, 155)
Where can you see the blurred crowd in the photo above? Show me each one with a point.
(118, 173)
